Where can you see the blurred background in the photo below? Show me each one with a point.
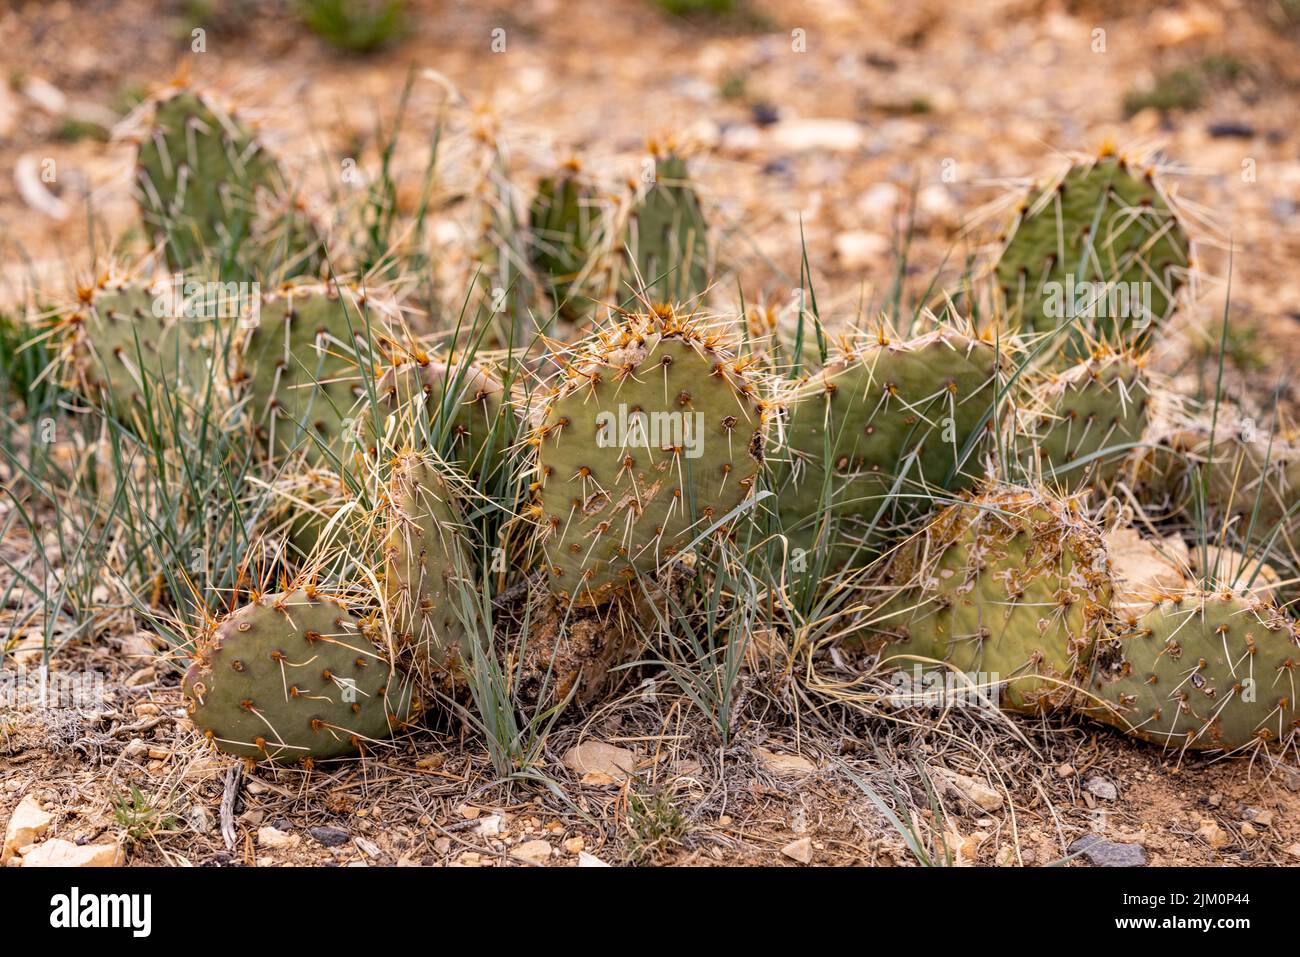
(852, 124)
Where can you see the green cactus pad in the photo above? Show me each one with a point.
(199, 175)
(460, 408)
(1106, 223)
(565, 222)
(125, 342)
(667, 238)
(302, 365)
(654, 434)
(1098, 405)
(426, 557)
(292, 677)
(1202, 671)
(878, 413)
(1014, 583)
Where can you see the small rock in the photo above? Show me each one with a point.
(533, 852)
(969, 847)
(1101, 788)
(469, 812)
(366, 847)
(1231, 129)
(785, 765)
(470, 859)
(1212, 834)
(590, 860)
(1249, 830)
(859, 248)
(1104, 853)
(972, 790)
(1174, 26)
(328, 836)
(1065, 770)
(489, 826)
(878, 203)
(27, 824)
(797, 136)
(1259, 816)
(600, 758)
(1294, 850)
(139, 647)
(276, 839)
(574, 845)
(764, 114)
(200, 819)
(60, 853)
(800, 850)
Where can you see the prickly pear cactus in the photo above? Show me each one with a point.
(459, 408)
(199, 175)
(879, 414)
(1082, 422)
(291, 677)
(301, 364)
(564, 220)
(124, 342)
(1014, 583)
(654, 434)
(1202, 671)
(667, 238)
(426, 558)
(1101, 242)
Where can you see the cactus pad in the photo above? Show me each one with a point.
(654, 434)
(121, 348)
(301, 363)
(1097, 405)
(426, 557)
(1014, 583)
(879, 413)
(667, 237)
(462, 410)
(292, 677)
(1102, 237)
(1202, 671)
(564, 220)
(200, 173)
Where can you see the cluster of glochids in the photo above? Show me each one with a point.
(658, 427)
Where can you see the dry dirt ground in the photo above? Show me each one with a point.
(870, 100)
